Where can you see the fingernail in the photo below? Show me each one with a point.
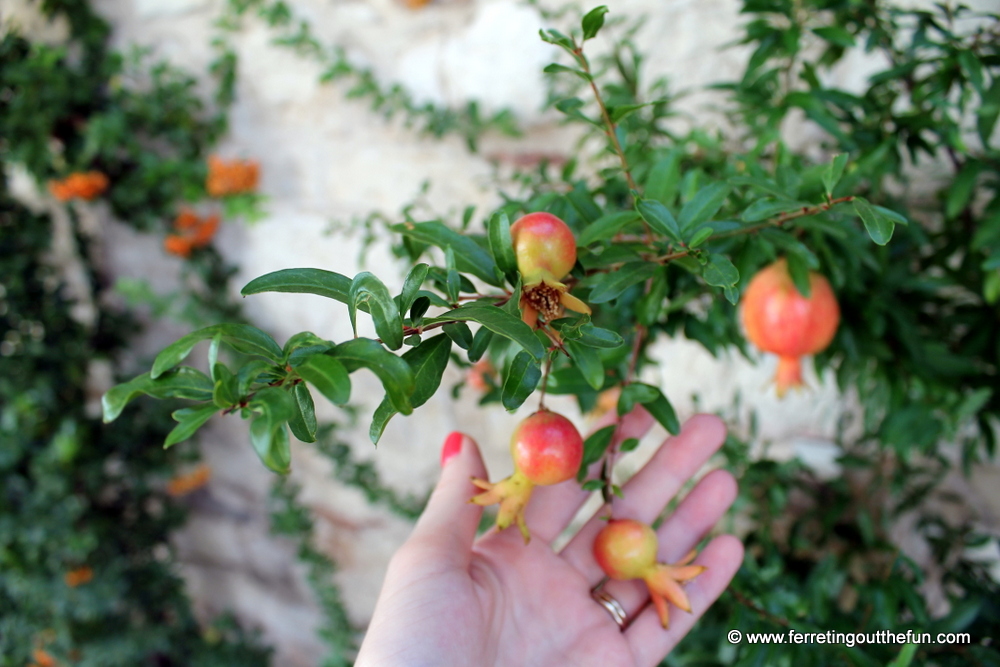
(452, 446)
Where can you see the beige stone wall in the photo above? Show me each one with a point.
(326, 158)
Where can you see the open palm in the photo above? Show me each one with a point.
(449, 599)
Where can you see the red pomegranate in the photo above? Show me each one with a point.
(547, 449)
(778, 319)
(546, 252)
(626, 549)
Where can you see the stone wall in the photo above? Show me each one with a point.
(326, 158)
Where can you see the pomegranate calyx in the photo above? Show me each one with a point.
(513, 494)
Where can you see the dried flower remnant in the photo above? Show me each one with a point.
(86, 185)
(231, 177)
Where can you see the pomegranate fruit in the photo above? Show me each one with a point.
(778, 319)
(626, 549)
(546, 252)
(547, 449)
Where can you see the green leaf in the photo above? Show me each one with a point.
(593, 21)
(241, 337)
(555, 37)
(368, 289)
(766, 208)
(470, 257)
(905, 656)
(267, 432)
(303, 420)
(655, 403)
(836, 35)
(417, 310)
(428, 362)
(588, 361)
(988, 113)
(879, 226)
(960, 190)
(611, 285)
(328, 376)
(249, 372)
(597, 337)
(720, 272)
(635, 392)
(302, 281)
(303, 343)
(649, 307)
(622, 111)
(460, 333)
(522, 378)
(500, 322)
(480, 342)
(411, 286)
(556, 68)
(501, 244)
(183, 382)
(606, 226)
(659, 218)
(226, 391)
(833, 172)
(628, 445)
(700, 236)
(799, 272)
(189, 420)
(661, 184)
(703, 206)
(762, 184)
(594, 447)
(395, 374)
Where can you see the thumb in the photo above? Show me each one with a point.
(449, 521)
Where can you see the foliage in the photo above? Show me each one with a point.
(387, 100)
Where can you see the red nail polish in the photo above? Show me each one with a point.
(452, 446)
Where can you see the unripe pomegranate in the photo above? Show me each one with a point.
(780, 320)
(547, 449)
(626, 549)
(546, 252)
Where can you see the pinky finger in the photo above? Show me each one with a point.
(647, 638)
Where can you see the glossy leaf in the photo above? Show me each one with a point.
(500, 322)
(833, 172)
(878, 225)
(411, 286)
(501, 244)
(766, 208)
(611, 285)
(606, 226)
(470, 257)
(428, 362)
(480, 342)
(521, 379)
(302, 281)
(328, 376)
(395, 374)
(588, 361)
(460, 333)
(368, 289)
(303, 420)
(660, 219)
(189, 420)
(703, 206)
(183, 382)
(241, 337)
(594, 447)
(593, 21)
(720, 272)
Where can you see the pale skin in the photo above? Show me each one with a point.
(452, 599)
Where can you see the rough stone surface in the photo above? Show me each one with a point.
(327, 159)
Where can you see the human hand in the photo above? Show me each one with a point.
(450, 599)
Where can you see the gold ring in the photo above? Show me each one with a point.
(613, 606)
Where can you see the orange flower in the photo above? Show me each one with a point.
(193, 232)
(42, 659)
(183, 484)
(78, 577)
(79, 185)
(231, 177)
